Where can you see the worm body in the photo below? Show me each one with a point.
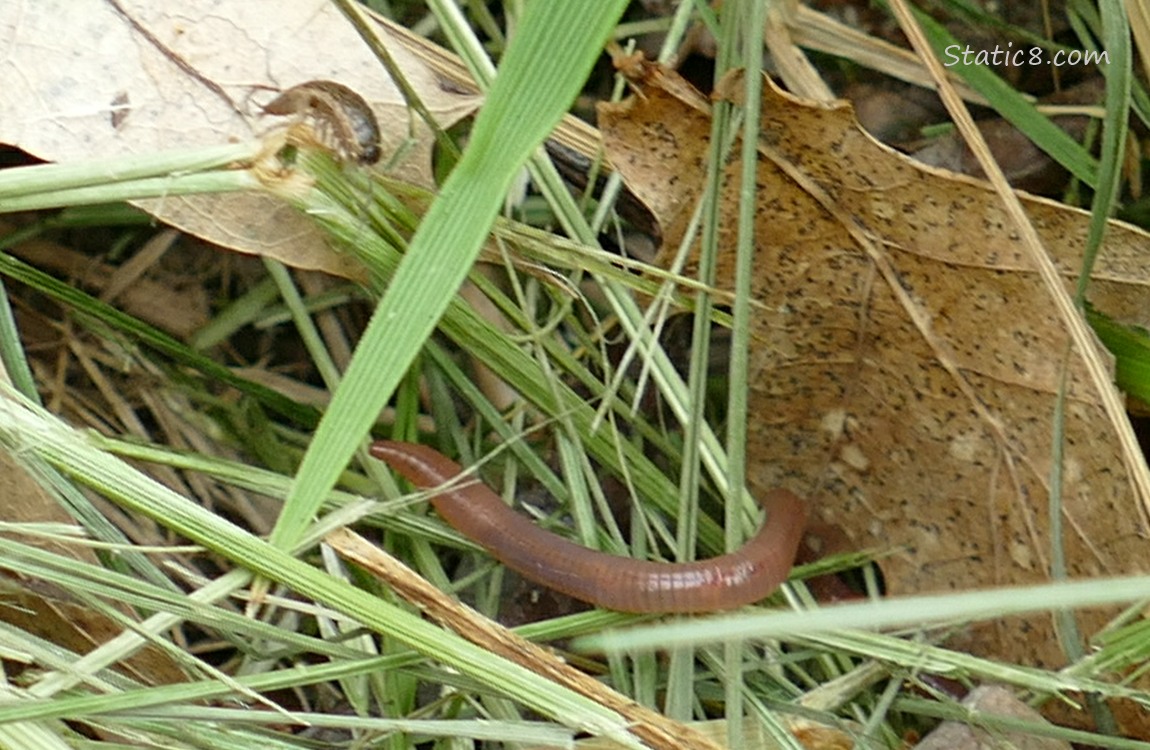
(609, 581)
(343, 121)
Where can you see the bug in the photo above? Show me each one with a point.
(338, 119)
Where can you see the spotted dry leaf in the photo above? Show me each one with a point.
(905, 356)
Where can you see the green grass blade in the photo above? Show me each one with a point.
(1012, 106)
(544, 67)
(1130, 346)
(151, 337)
(28, 430)
(1116, 42)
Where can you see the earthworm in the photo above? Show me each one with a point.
(606, 580)
(339, 115)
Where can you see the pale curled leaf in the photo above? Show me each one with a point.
(90, 78)
(906, 357)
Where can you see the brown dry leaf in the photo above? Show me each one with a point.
(905, 354)
(97, 78)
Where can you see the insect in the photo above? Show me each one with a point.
(610, 581)
(338, 119)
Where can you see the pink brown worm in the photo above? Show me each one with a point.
(606, 580)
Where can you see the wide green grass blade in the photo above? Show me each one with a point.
(545, 65)
(1130, 346)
